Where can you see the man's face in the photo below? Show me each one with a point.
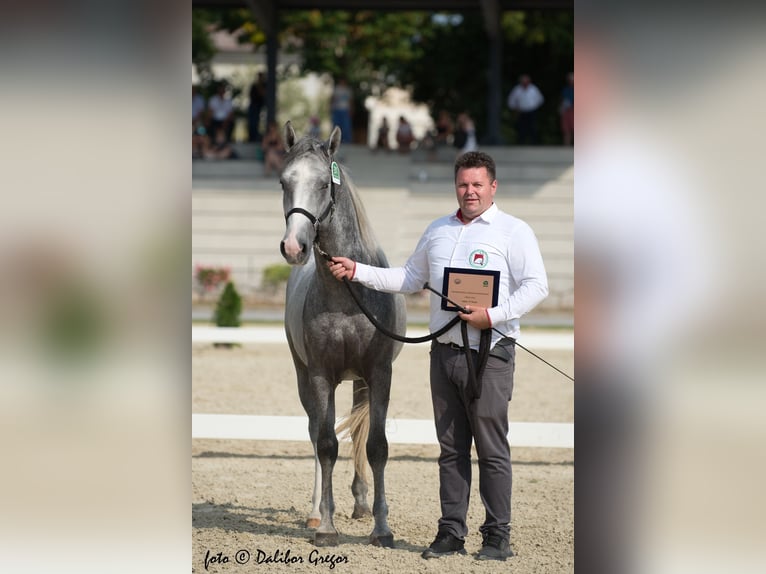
(475, 192)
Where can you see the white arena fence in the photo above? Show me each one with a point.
(551, 340)
(398, 431)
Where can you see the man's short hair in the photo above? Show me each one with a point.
(476, 159)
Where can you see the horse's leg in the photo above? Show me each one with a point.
(315, 516)
(306, 395)
(377, 452)
(359, 437)
(323, 415)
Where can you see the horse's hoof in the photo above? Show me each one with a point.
(325, 538)
(385, 541)
(361, 512)
(313, 523)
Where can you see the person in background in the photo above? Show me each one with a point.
(219, 148)
(382, 141)
(478, 236)
(221, 112)
(257, 101)
(404, 135)
(525, 99)
(444, 129)
(342, 108)
(198, 106)
(199, 129)
(465, 134)
(566, 110)
(314, 129)
(273, 150)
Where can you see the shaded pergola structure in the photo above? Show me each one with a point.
(266, 13)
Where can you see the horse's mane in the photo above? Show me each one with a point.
(365, 229)
(309, 145)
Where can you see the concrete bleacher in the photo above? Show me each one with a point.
(237, 217)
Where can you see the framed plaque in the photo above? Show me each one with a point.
(474, 287)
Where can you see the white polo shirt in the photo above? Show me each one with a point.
(220, 107)
(492, 241)
(525, 99)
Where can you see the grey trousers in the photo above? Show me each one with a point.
(459, 421)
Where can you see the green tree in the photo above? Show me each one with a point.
(367, 47)
(204, 22)
(449, 72)
(442, 57)
(227, 311)
(203, 49)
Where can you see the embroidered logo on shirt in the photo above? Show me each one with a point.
(478, 259)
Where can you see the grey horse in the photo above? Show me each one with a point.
(329, 338)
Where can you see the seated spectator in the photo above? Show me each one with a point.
(404, 135)
(314, 129)
(199, 131)
(200, 141)
(221, 112)
(465, 135)
(444, 128)
(273, 150)
(220, 149)
(382, 141)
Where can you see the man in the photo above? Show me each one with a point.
(222, 113)
(478, 237)
(525, 98)
(566, 110)
(257, 101)
(342, 108)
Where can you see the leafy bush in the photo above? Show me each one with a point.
(275, 275)
(228, 307)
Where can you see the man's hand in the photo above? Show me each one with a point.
(342, 268)
(476, 317)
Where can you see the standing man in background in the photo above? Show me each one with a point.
(342, 108)
(477, 238)
(257, 100)
(525, 99)
(566, 110)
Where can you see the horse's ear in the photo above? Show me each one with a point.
(333, 143)
(289, 136)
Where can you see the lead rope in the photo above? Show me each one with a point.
(474, 373)
(441, 331)
(515, 342)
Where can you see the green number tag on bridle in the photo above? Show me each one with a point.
(335, 173)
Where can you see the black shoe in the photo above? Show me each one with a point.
(445, 544)
(495, 547)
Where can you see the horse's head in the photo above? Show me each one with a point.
(307, 191)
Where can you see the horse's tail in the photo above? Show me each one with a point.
(357, 425)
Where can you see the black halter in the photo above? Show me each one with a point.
(326, 214)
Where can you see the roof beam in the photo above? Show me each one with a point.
(387, 5)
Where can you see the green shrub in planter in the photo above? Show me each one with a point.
(228, 309)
